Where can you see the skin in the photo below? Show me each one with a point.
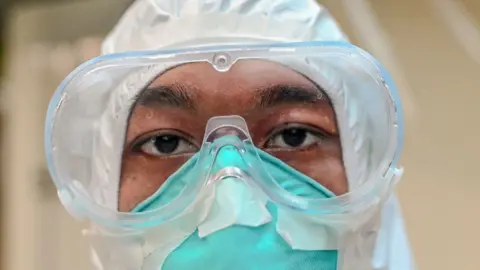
(207, 93)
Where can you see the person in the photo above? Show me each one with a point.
(217, 134)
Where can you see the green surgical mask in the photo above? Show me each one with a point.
(240, 247)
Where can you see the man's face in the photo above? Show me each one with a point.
(287, 115)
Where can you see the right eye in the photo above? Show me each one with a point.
(167, 145)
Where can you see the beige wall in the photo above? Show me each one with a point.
(439, 83)
(39, 234)
(439, 192)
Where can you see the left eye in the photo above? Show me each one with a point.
(292, 138)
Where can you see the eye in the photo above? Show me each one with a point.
(167, 145)
(295, 137)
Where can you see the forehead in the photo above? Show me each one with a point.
(244, 75)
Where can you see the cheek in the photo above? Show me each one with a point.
(330, 173)
(323, 165)
(142, 177)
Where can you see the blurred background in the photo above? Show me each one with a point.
(431, 47)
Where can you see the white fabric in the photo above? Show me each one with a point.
(155, 24)
(393, 248)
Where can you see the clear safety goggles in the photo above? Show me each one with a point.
(123, 127)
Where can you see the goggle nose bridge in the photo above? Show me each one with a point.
(227, 132)
(221, 126)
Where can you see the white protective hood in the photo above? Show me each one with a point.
(157, 24)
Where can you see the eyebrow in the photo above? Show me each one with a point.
(180, 95)
(289, 94)
(176, 95)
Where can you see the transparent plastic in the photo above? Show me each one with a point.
(86, 120)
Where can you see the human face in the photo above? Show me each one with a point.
(288, 116)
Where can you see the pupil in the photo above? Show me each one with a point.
(294, 137)
(166, 144)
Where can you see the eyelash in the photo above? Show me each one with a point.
(146, 139)
(321, 135)
(313, 134)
